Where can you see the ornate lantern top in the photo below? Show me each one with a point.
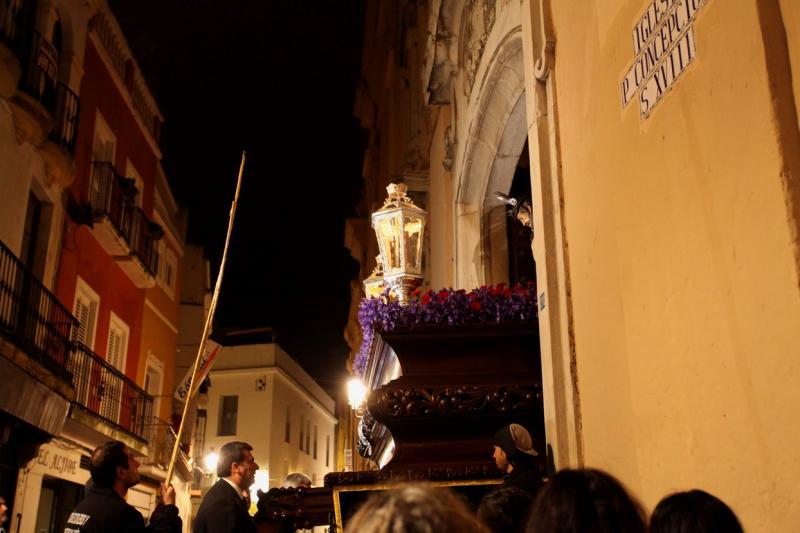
(397, 197)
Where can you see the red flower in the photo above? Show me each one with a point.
(475, 306)
(426, 298)
(442, 296)
(507, 292)
(415, 292)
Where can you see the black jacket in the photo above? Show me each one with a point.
(524, 476)
(223, 510)
(104, 511)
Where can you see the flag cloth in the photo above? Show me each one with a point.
(210, 353)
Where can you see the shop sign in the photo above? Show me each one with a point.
(60, 463)
(663, 47)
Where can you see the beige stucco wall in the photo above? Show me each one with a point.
(684, 287)
(261, 416)
(440, 216)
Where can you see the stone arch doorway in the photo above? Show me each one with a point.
(496, 137)
(512, 101)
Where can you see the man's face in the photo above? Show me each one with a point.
(3, 511)
(130, 476)
(500, 459)
(246, 470)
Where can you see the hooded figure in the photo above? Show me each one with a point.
(514, 454)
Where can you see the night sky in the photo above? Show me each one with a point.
(276, 79)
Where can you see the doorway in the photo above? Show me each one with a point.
(57, 500)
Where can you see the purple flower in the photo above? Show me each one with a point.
(484, 305)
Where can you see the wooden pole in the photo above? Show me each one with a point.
(207, 328)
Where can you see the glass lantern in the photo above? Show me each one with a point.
(400, 227)
(373, 285)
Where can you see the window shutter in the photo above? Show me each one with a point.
(113, 351)
(85, 315)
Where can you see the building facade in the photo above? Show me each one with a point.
(260, 395)
(92, 244)
(659, 142)
(41, 56)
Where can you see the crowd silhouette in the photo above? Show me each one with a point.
(572, 501)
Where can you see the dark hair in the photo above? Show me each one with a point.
(581, 501)
(694, 511)
(231, 452)
(105, 461)
(505, 510)
(414, 508)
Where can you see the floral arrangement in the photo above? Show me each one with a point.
(487, 304)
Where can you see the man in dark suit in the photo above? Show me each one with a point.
(224, 508)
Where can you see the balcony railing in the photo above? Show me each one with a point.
(108, 394)
(31, 316)
(109, 193)
(161, 438)
(66, 126)
(40, 71)
(141, 240)
(15, 15)
(112, 196)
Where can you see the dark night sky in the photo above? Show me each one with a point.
(276, 79)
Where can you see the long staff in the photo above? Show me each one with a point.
(207, 328)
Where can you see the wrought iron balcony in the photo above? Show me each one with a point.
(65, 129)
(39, 80)
(32, 318)
(161, 438)
(131, 237)
(12, 21)
(108, 394)
(140, 236)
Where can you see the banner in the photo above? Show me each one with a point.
(211, 351)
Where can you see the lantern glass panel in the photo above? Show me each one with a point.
(413, 233)
(389, 235)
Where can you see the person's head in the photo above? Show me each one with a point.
(114, 466)
(414, 508)
(237, 463)
(3, 511)
(577, 501)
(512, 444)
(505, 510)
(694, 511)
(296, 479)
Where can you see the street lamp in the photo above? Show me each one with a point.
(400, 226)
(210, 461)
(356, 394)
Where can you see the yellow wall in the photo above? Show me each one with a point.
(160, 339)
(440, 218)
(684, 286)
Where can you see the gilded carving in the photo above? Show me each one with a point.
(397, 402)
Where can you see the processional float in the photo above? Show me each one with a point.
(444, 370)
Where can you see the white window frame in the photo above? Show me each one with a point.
(115, 323)
(85, 292)
(157, 365)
